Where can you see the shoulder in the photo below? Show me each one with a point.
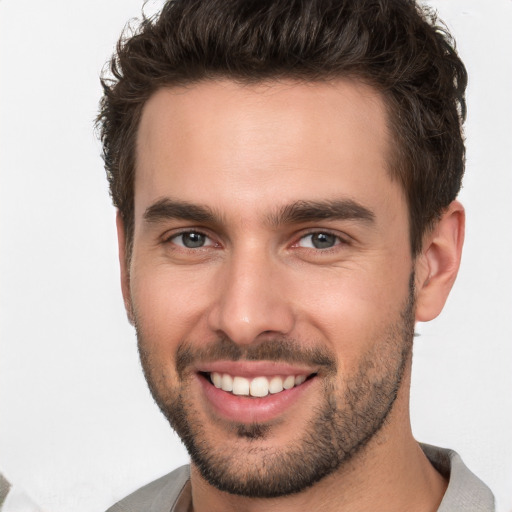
(465, 490)
(157, 496)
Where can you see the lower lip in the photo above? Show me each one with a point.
(246, 409)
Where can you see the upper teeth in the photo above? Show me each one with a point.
(258, 386)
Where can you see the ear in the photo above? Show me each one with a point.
(438, 263)
(123, 263)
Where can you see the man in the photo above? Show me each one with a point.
(286, 176)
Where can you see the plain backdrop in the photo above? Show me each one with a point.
(78, 428)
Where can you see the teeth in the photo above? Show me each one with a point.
(217, 379)
(275, 385)
(299, 379)
(289, 382)
(258, 387)
(227, 382)
(240, 386)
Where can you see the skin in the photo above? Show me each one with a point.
(245, 152)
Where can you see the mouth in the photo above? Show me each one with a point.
(259, 386)
(248, 392)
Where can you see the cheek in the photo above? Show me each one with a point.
(168, 305)
(352, 308)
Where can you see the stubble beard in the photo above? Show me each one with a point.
(341, 426)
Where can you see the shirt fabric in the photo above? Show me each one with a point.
(465, 492)
(12, 499)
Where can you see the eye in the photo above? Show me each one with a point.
(191, 240)
(319, 240)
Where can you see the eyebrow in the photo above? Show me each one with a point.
(305, 211)
(166, 209)
(294, 213)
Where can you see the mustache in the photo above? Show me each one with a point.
(281, 350)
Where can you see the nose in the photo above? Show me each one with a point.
(251, 299)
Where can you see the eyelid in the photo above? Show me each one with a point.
(342, 238)
(169, 237)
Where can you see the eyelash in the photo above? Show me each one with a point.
(339, 240)
(173, 236)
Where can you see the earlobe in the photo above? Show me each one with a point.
(438, 263)
(123, 263)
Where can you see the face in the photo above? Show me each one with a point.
(271, 277)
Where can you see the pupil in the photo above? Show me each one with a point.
(323, 240)
(193, 240)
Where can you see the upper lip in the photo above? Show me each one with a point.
(251, 369)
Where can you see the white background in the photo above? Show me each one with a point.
(78, 429)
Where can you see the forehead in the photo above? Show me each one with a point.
(221, 143)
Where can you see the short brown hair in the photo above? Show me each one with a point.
(396, 46)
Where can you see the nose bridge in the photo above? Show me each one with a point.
(251, 299)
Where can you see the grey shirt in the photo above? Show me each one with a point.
(465, 491)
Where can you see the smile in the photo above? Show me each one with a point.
(254, 391)
(260, 386)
